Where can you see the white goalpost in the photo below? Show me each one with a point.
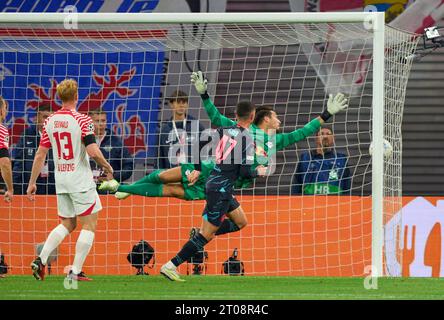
(128, 65)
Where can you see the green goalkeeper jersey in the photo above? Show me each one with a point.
(266, 145)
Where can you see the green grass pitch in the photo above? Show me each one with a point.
(219, 288)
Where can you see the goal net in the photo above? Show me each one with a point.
(131, 69)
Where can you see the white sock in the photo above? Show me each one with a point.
(83, 245)
(54, 239)
(170, 265)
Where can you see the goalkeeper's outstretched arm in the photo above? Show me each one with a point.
(216, 118)
(335, 105)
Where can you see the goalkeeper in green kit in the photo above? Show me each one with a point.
(185, 182)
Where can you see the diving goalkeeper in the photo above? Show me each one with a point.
(184, 182)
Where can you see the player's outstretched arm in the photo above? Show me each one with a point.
(37, 165)
(335, 105)
(216, 118)
(94, 153)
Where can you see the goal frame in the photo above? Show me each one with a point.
(372, 20)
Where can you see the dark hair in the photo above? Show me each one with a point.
(326, 126)
(244, 109)
(178, 95)
(261, 113)
(44, 108)
(96, 111)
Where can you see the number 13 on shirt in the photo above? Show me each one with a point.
(64, 137)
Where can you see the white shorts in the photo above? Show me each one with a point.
(80, 204)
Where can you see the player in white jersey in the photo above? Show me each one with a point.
(71, 136)
(5, 162)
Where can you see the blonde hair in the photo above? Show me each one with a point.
(3, 104)
(67, 90)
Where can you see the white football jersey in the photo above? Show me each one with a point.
(64, 132)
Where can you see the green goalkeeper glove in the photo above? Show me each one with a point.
(200, 83)
(335, 104)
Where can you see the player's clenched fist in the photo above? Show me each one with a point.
(200, 83)
(30, 192)
(109, 172)
(8, 196)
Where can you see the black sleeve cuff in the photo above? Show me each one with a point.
(198, 166)
(89, 139)
(4, 153)
(205, 96)
(325, 115)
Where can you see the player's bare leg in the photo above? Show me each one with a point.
(173, 175)
(89, 222)
(208, 230)
(52, 242)
(238, 217)
(173, 190)
(69, 223)
(83, 246)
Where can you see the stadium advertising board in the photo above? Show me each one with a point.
(299, 236)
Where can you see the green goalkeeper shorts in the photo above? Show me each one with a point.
(197, 190)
